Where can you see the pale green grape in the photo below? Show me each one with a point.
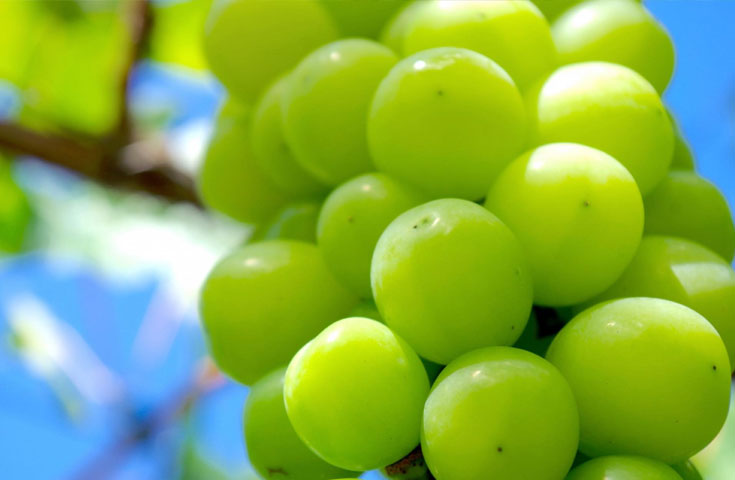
(608, 107)
(248, 43)
(449, 277)
(683, 158)
(362, 18)
(616, 31)
(500, 413)
(687, 471)
(684, 272)
(296, 221)
(366, 309)
(351, 221)
(651, 378)
(689, 206)
(570, 206)
(395, 29)
(512, 33)
(553, 8)
(446, 120)
(16, 214)
(271, 150)
(623, 468)
(325, 106)
(355, 394)
(230, 179)
(262, 302)
(274, 449)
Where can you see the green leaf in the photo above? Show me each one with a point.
(177, 33)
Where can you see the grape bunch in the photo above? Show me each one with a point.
(480, 251)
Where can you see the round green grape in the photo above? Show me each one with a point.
(687, 471)
(16, 213)
(296, 221)
(608, 107)
(230, 179)
(248, 43)
(651, 378)
(395, 29)
(689, 206)
(623, 468)
(262, 302)
(684, 272)
(616, 31)
(446, 120)
(449, 277)
(514, 34)
(274, 449)
(500, 412)
(325, 107)
(355, 394)
(362, 18)
(366, 309)
(570, 206)
(273, 153)
(351, 221)
(683, 158)
(531, 339)
(553, 8)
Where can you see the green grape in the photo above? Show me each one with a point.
(608, 107)
(362, 18)
(688, 206)
(351, 221)
(248, 43)
(447, 120)
(553, 8)
(449, 277)
(355, 394)
(274, 449)
(395, 29)
(273, 154)
(230, 180)
(531, 339)
(262, 302)
(514, 34)
(325, 107)
(503, 413)
(16, 214)
(616, 31)
(366, 309)
(687, 471)
(684, 272)
(683, 158)
(411, 467)
(296, 221)
(623, 468)
(570, 206)
(651, 378)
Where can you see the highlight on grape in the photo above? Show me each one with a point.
(482, 250)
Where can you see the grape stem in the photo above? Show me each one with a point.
(116, 158)
(410, 467)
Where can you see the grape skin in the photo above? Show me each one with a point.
(296, 221)
(623, 468)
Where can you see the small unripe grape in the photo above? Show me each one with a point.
(687, 471)
(395, 29)
(296, 221)
(446, 120)
(616, 31)
(362, 18)
(249, 43)
(623, 468)
(651, 378)
(262, 302)
(355, 394)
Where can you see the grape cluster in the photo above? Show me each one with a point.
(481, 250)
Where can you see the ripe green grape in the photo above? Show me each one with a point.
(683, 158)
(689, 206)
(570, 206)
(608, 107)
(230, 179)
(553, 8)
(355, 394)
(351, 221)
(449, 277)
(514, 34)
(15, 211)
(274, 449)
(687, 471)
(325, 107)
(262, 302)
(684, 272)
(623, 468)
(271, 150)
(362, 18)
(248, 43)
(499, 413)
(366, 309)
(395, 29)
(616, 31)
(296, 221)
(446, 120)
(651, 378)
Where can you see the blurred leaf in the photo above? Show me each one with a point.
(177, 33)
(21, 24)
(15, 211)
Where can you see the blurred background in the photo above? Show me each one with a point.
(103, 368)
